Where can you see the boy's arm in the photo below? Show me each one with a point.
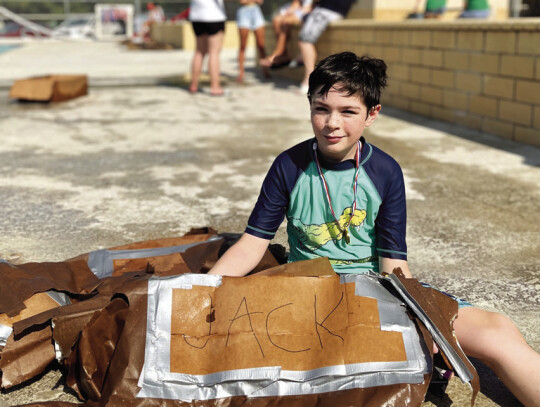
(242, 257)
(387, 265)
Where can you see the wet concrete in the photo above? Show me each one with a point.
(129, 163)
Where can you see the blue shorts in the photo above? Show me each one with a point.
(250, 17)
(475, 14)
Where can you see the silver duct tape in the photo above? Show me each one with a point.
(61, 298)
(4, 261)
(5, 332)
(101, 261)
(460, 368)
(156, 380)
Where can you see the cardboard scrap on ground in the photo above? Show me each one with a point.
(157, 331)
(50, 88)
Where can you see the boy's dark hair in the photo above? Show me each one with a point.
(363, 75)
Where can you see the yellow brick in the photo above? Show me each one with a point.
(483, 106)
(431, 95)
(468, 120)
(517, 66)
(420, 108)
(398, 71)
(487, 63)
(443, 78)
(528, 91)
(410, 90)
(470, 40)
(432, 58)
(399, 103)
(497, 86)
(420, 75)
(504, 41)
(519, 113)
(502, 129)
(456, 60)
(383, 37)
(443, 39)
(401, 37)
(391, 54)
(411, 56)
(362, 36)
(527, 135)
(529, 43)
(469, 81)
(421, 38)
(455, 100)
(441, 113)
(537, 117)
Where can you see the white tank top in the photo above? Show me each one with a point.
(207, 11)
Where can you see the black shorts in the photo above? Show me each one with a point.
(212, 28)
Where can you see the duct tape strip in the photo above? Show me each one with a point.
(60, 297)
(5, 332)
(101, 261)
(4, 261)
(156, 380)
(459, 366)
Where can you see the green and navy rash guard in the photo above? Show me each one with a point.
(293, 188)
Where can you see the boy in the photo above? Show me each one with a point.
(345, 199)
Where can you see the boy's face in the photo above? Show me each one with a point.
(338, 122)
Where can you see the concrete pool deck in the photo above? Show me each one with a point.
(141, 158)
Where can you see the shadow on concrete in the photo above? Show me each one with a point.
(530, 154)
(492, 387)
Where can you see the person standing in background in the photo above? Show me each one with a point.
(325, 12)
(249, 17)
(476, 9)
(208, 20)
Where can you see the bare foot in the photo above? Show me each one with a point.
(268, 61)
(240, 78)
(193, 89)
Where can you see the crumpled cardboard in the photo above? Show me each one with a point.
(25, 307)
(120, 386)
(101, 338)
(51, 88)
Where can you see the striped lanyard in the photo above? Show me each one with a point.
(343, 229)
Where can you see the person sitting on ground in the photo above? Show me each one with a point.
(323, 14)
(476, 9)
(249, 17)
(289, 15)
(344, 199)
(208, 20)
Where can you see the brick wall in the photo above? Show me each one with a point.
(480, 74)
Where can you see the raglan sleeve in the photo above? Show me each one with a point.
(271, 206)
(391, 221)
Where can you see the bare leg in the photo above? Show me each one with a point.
(244, 32)
(197, 63)
(497, 342)
(309, 56)
(214, 49)
(259, 39)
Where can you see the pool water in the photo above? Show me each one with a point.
(5, 48)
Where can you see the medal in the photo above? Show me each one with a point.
(346, 235)
(343, 229)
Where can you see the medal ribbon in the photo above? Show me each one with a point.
(327, 191)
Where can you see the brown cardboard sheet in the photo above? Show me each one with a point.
(20, 282)
(51, 88)
(442, 310)
(119, 387)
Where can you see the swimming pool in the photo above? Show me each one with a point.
(6, 47)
